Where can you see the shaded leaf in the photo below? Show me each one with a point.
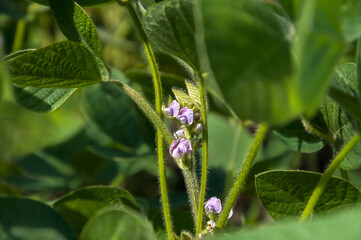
(117, 223)
(20, 217)
(286, 193)
(84, 3)
(78, 206)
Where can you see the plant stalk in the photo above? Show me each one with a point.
(158, 105)
(239, 184)
(312, 130)
(202, 192)
(19, 35)
(326, 177)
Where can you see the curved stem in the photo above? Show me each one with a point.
(19, 35)
(326, 177)
(312, 130)
(158, 106)
(202, 192)
(238, 186)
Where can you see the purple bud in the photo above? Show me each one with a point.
(213, 205)
(173, 109)
(180, 148)
(179, 133)
(185, 116)
(198, 128)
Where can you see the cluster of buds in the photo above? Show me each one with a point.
(213, 208)
(189, 128)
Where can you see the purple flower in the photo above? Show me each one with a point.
(213, 205)
(173, 109)
(185, 116)
(179, 148)
(179, 133)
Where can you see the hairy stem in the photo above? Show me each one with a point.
(202, 193)
(191, 182)
(19, 35)
(326, 177)
(158, 106)
(312, 130)
(238, 186)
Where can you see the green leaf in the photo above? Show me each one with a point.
(78, 206)
(182, 97)
(117, 223)
(318, 49)
(59, 65)
(19, 217)
(193, 92)
(170, 26)
(114, 113)
(284, 194)
(38, 99)
(339, 123)
(350, 21)
(298, 139)
(77, 26)
(255, 81)
(343, 225)
(84, 3)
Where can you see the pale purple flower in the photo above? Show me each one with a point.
(173, 109)
(213, 205)
(179, 133)
(185, 116)
(179, 148)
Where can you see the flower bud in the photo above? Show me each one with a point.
(185, 116)
(173, 109)
(179, 134)
(180, 148)
(198, 128)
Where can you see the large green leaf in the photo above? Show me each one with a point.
(114, 113)
(286, 193)
(339, 122)
(78, 206)
(170, 26)
(318, 49)
(250, 58)
(77, 26)
(84, 3)
(59, 65)
(343, 225)
(118, 223)
(351, 19)
(38, 99)
(21, 218)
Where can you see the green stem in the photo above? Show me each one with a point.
(344, 174)
(158, 106)
(312, 130)
(191, 182)
(326, 177)
(19, 35)
(239, 184)
(202, 193)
